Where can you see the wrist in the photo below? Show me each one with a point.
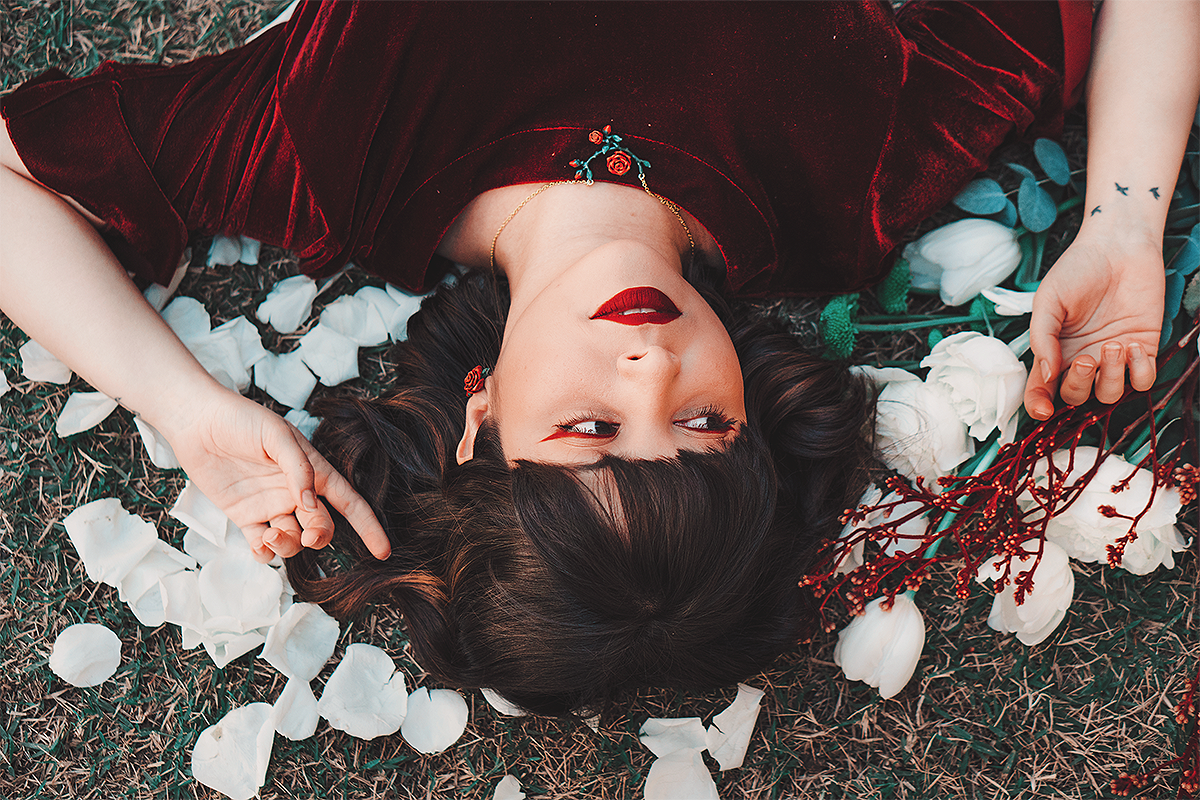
(180, 403)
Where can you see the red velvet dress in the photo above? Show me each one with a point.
(807, 137)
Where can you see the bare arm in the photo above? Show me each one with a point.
(1100, 307)
(62, 285)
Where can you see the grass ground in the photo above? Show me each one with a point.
(985, 717)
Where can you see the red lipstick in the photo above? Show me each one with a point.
(642, 305)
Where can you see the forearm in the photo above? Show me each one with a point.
(61, 284)
(1141, 97)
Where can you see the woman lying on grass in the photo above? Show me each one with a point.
(633, 482)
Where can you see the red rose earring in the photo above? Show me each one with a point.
(473, 383)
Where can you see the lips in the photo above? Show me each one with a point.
(642, 305)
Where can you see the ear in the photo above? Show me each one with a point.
(477, 411)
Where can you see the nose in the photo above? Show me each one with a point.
(652, 364)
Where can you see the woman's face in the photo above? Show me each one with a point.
(583, 373)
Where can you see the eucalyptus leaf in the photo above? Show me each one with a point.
(1035, 205)
(1025, 172)
(1008, 215)
(981, 196)
(1181, 215)
(1052, 160)
(1174, 296)
(1187, 259)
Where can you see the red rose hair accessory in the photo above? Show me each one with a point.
(473, 383)
(617, 157)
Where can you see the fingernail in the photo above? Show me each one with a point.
(1046, 376)
(1083, 367)
(1137, 352)
(309, 501)
(1111, 352)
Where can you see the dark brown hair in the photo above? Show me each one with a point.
(520, 578)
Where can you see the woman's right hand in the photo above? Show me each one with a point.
(268, 478)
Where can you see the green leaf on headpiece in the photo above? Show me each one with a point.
(837, 327)
(892, 293)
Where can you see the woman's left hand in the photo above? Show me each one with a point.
(1099, 310)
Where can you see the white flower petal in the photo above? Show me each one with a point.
(1010, 303)
(85, 654)
(301, 641)
(500, 705)
(728, 737)
(329, 354)
(220, 353)
(232, 756)
(509, 788)
(365, 695)
(965, 257)
(285, 378)
(157, 447)
(237, 587)
(187, 318)
(109, 540)
(882, 647)
(435, 720)
(199, 547)
(304, 421)
(224, 649)
(983, 378)
(665, 736)
(181, 603)
(83, 411)
(356, 319)
(680, 776)
(296, 710)
(4, 385)
(288, 304)
(249, 250)
(224, 251)
(917, 430)
(249, 340)
(157, 296)
(406, 305)
(140, 587)
(882, 376)
(39, 364)
(200, 514)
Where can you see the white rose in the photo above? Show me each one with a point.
(984, 379)
(1045, 605)
(962, 258)
(1085, 532)
(882, 647)
(917, 430)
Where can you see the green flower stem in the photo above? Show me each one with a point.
(982, 462)
(923, 322)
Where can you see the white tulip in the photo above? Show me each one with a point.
(882, 647)
(985, 381)
(918, 431)
(962, 258)
(1044, 606)
(1085, 533)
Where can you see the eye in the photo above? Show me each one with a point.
(709, 420)
(586, 427)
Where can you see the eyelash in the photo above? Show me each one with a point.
(723, 423)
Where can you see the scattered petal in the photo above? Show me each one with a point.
(242, 593)
(301, 641)
(4, 385)
(435, 720)
(140, 587)
(329, 354)
(232, 756)
(200, 514)
(85, 654)
(1008, 302)
(199, 547)
(357, 320)
(187, 318)
(83, 411)
(288, 304)
(680, 776)
(220, 353)
(665, 736)
(406, 305)
(157, 447)
(500, 705)
(157, 296)
(296, 710)
(729, 735)
(249, 340)
(365, 695)
(285, 378)
(39, 364)
(224, 251)
(225, 649)
(109, 540)
(509, 788)
(249, 250)
(305, 422)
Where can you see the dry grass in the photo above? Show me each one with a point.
(985, 717)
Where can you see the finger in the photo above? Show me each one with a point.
(1142, 371)
(338, 493)
(1077, 382)
(1110, 378)
(287, 451)
(284, 535)
(318, 526)
(254, 534)
(1044, 327)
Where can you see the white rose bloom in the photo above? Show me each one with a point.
(1045, 605)
(1083, 530)
(918, 431)
(985, 381)
(882, 647)
(962, 258)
